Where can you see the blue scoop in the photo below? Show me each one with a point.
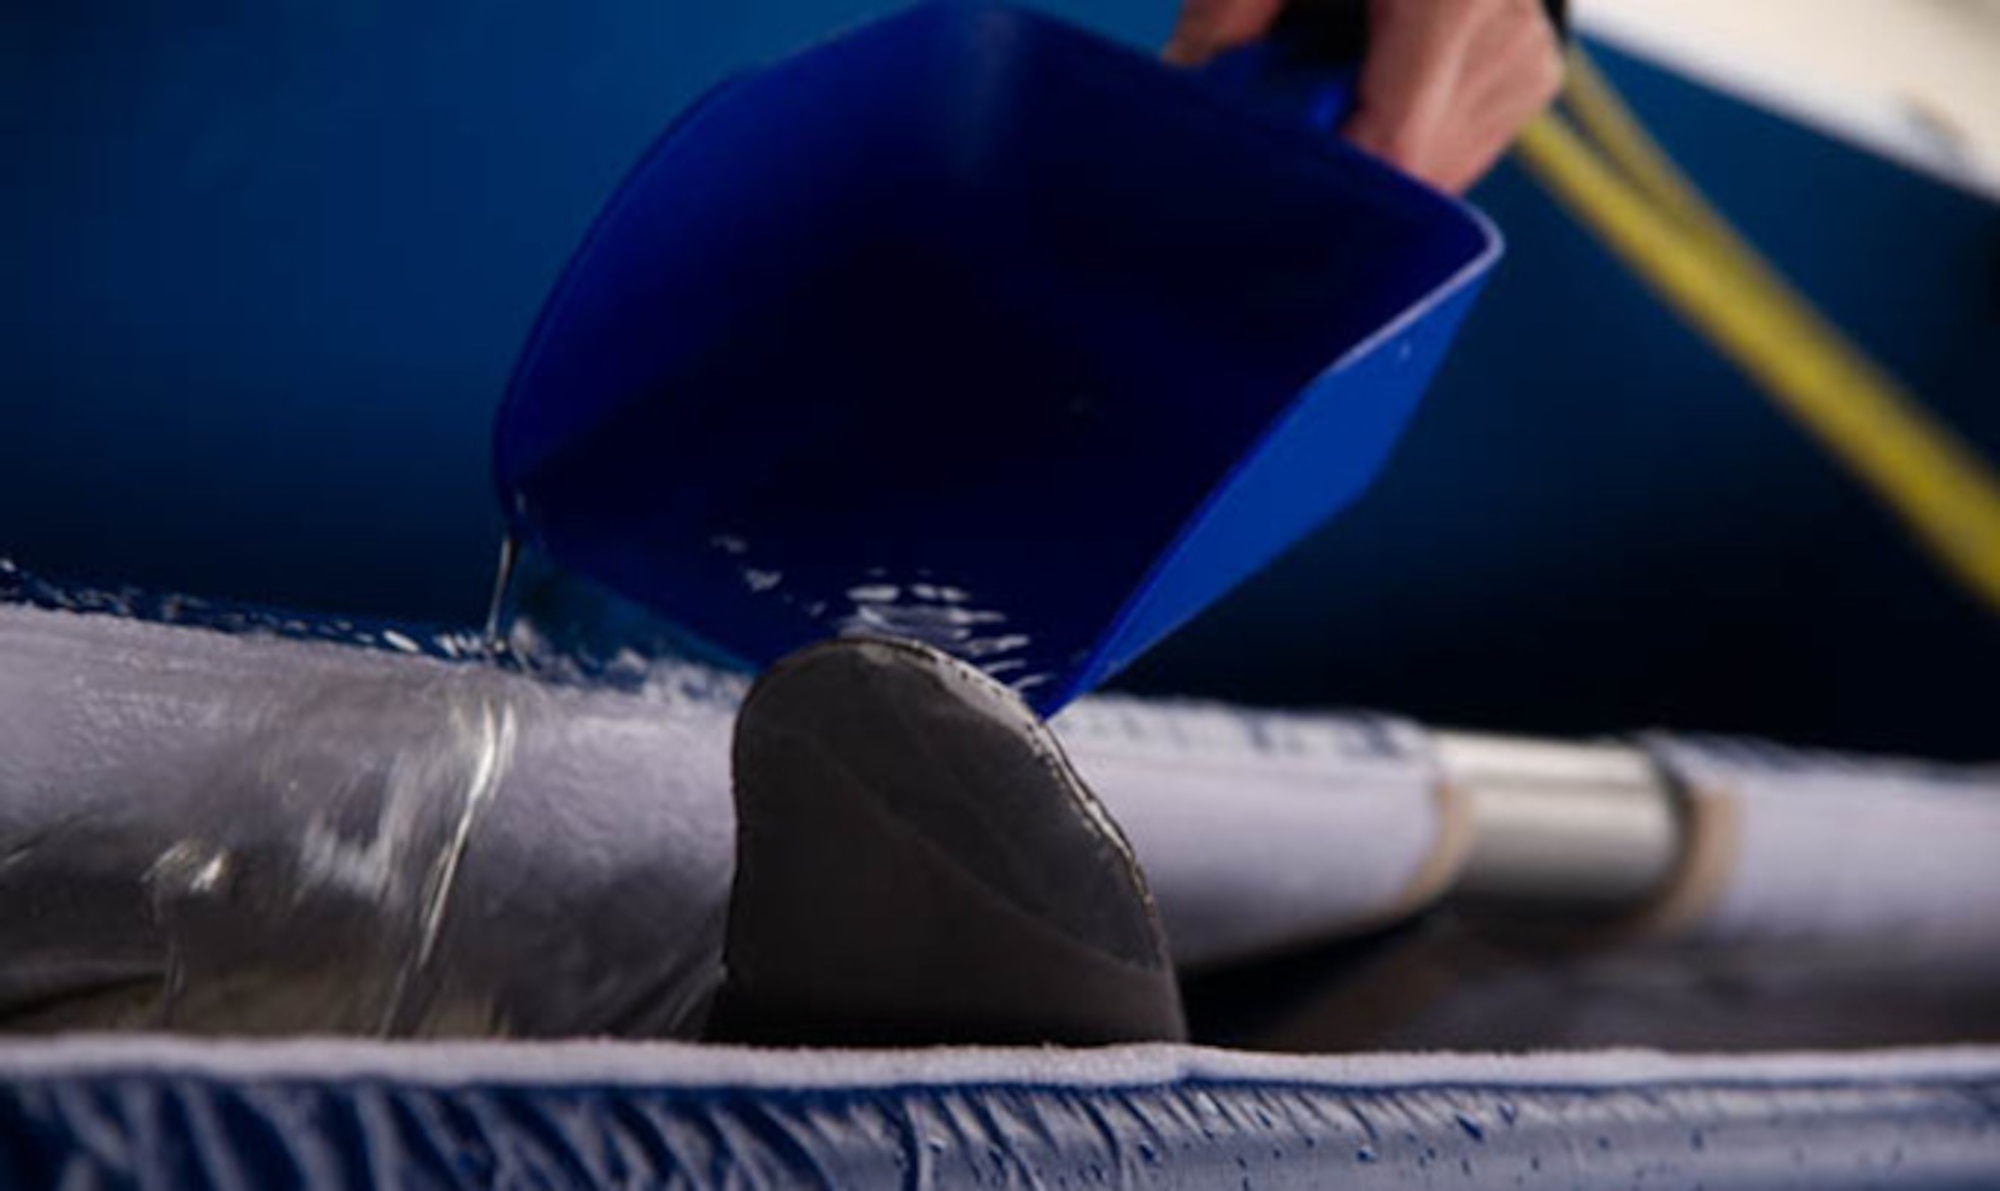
(972, 327)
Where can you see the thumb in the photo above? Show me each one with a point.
(1209, 27)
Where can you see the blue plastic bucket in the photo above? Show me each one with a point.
(972, 327)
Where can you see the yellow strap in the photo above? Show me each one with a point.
(1659, 224)
(1602, 114)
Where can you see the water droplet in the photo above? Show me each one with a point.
(496, 603)
(210, 876)
(1472, 1128)
(1366, 1154)
(982, 647)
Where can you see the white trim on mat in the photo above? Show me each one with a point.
(666, 1064)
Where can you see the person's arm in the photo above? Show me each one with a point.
(1445, 85)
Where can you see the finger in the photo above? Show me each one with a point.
(1512, 87)
(1505, 27)
(1449, 83)
(1409, 81)
(1209, 27)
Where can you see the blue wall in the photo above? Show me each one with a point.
(1596, 524)
(267, 264)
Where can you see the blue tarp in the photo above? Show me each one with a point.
(95, 1112)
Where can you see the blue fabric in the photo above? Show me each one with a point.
(174, 1124)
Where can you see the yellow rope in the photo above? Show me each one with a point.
(1639, 204)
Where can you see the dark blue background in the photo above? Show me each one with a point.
(267, 264)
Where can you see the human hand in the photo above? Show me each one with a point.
(1445, 86)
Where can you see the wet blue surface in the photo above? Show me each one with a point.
(106, 1125)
